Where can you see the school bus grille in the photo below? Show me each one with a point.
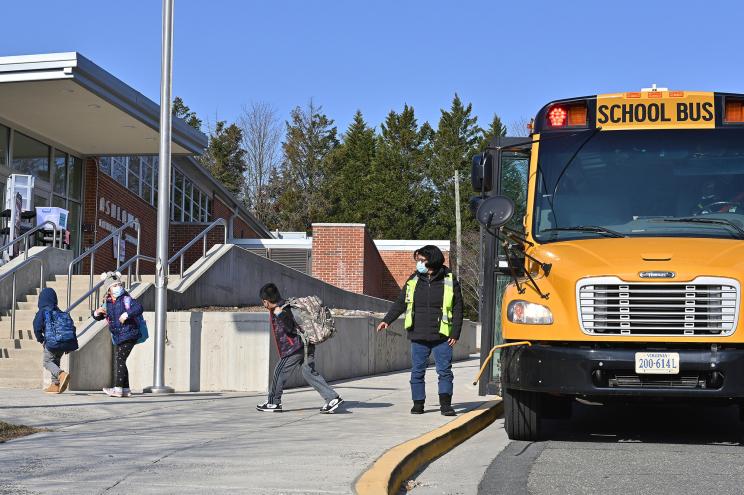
(707, 306)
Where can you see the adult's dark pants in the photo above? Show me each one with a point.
(420, 352)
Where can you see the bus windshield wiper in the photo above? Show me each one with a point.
(588, 228)
(711, 221)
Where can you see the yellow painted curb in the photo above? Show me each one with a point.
(394, 467)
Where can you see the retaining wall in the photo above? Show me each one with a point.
(219, 351)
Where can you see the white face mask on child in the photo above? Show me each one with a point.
(117, 291)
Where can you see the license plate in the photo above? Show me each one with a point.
(657, 363)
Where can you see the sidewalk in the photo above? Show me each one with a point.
(203, 443)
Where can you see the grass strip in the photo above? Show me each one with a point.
(9, 431)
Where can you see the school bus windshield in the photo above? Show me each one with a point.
(643, 183)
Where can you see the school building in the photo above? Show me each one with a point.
(91, 143)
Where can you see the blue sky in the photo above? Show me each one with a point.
(504, 57)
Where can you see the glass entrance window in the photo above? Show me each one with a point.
(30, 156)
(73, 225)
(4, 140)
(60, 172)
(74, 177)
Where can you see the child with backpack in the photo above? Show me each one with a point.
(293, 352)
(55, 330)
(123, 314)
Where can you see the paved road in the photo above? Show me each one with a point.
(459, 471)
(213, 443)
(667, 449)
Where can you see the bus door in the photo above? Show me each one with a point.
(510, 173)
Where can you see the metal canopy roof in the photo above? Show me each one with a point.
(69, 100)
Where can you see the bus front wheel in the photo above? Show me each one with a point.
(522, 414)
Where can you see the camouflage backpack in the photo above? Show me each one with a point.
(315, 322)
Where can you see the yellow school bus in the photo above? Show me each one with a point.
(614, 254)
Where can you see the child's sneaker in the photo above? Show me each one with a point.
(331, 406)
(268, 407)
(115, 392)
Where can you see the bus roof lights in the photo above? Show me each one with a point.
(567, 116)
(577, 115)
(557, 117)
(734, 111)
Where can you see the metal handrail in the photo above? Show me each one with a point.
(92, 253)
(96, 288)
(42, 284)
(26, 235)
(202, 235)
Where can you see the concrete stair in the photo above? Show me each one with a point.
(20, 354)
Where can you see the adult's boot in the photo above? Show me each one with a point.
(418, 407)
(445, 405)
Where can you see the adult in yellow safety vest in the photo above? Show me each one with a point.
(432, 302)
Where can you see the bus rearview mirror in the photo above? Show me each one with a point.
(495, 211)
(481, 173)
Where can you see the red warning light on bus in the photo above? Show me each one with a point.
(557, 117)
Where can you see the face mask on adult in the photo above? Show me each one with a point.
(117, 291)
(421, 267)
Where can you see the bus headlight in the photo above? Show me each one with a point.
(528, 313)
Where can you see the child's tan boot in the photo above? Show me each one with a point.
(52, 389)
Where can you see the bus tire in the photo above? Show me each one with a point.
(522, 414)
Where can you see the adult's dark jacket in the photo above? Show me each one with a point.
(129, 330)
(284, 328)
(427, 307)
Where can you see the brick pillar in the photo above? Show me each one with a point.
(338, 254)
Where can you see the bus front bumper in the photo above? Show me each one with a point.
(610, 371)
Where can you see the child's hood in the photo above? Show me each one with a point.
(47, 299)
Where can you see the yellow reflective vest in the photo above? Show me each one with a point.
(445, 324)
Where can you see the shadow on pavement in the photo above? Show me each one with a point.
(676, 423)
(136, 399)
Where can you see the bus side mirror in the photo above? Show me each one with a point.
(481, 174)
(495, 211)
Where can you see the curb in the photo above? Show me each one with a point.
(398, 464)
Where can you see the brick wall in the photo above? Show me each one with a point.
(338, 255)
(375, 271)
(400, 266)
(107, 205)
(345, 255)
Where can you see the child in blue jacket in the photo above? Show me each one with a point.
(53, 351)
(121, 311)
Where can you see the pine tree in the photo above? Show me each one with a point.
(181, 111)
(456, 140)
(401, 199)
(349, 174)
(497, 128)
(311, 138)
(225, 158)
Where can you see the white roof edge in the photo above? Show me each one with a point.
(274, 243)
(37, 58)
(410, 245)
(339, 225)
(74, 66)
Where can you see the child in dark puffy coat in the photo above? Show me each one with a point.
(121, 311)
(53, 352)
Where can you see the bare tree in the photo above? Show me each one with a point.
(262, 136)
(520, 127)
(469, 263)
